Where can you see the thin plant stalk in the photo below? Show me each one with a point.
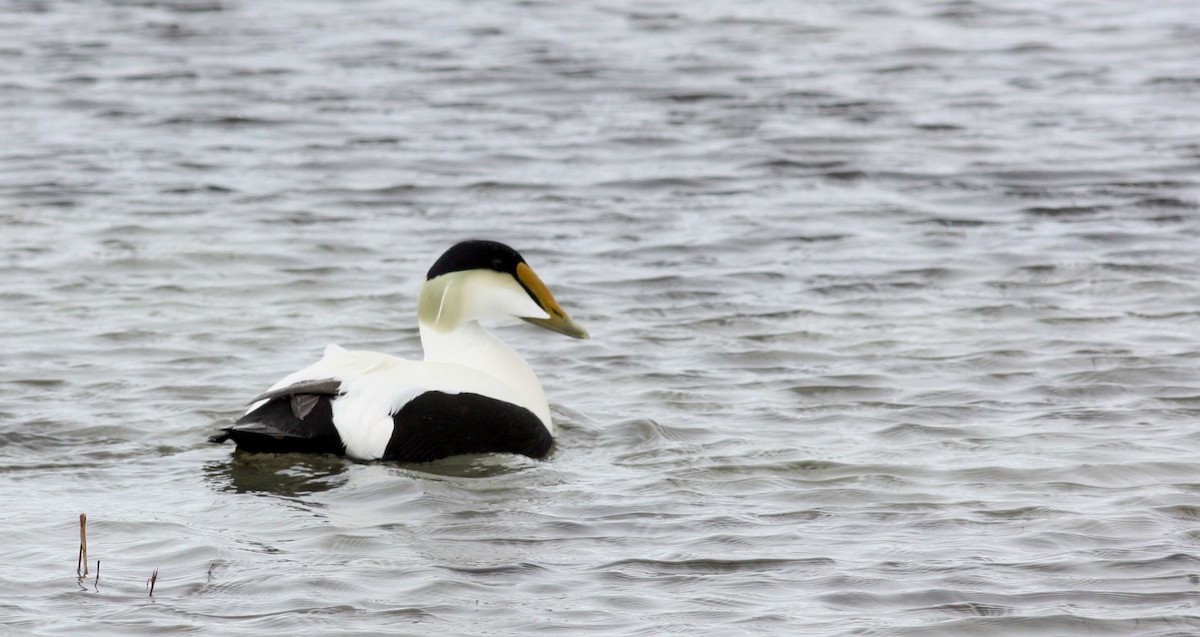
(81, 569)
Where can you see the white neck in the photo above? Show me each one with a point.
(470, 345)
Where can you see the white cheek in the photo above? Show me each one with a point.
(499, 296)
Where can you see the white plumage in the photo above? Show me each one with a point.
(470, 394)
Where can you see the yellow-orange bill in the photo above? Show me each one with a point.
(558, 321)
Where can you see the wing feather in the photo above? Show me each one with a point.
(298, 417)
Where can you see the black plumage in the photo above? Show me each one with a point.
(438, 425)
(299, 418)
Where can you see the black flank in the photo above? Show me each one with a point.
(438, 425)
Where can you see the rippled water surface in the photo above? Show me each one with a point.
(894, 310)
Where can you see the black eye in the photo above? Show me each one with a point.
(498, 265)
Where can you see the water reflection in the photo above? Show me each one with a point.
(471, 466)
(287, 474)
(294, 475)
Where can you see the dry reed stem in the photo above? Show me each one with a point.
(81, 568)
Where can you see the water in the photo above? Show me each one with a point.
(893, 309)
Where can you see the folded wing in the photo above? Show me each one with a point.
(297, 418)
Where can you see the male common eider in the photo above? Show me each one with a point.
(471, 394)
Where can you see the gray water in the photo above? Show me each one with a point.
(894, 310)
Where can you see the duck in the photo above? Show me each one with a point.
(471, 394)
